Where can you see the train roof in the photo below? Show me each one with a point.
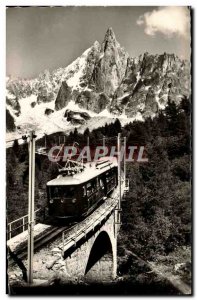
(91, 170)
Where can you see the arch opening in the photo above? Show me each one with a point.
(100, 262)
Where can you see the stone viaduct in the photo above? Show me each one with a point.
(90, 249)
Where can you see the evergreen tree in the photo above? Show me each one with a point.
(171, 112)
(117, 126)
(16, 148)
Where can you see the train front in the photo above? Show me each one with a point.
(62, 194)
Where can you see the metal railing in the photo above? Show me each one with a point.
(24, 222)
(88, 224)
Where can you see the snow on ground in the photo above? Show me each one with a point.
(34, 118)
(106, 113)
(75, 107)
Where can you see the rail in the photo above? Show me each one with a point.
(91, 222)
(79, 231)
(23, 220)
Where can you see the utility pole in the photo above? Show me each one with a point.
(45, 141)
(118, 209)
(125, 153)
(119, 175)
(31, 206)
(88, 141)
(103, 141)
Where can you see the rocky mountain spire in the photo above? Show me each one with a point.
(111, 67)
(109, 39)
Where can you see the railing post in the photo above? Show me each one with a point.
(35, 219)
(75, 234)
(44, 213)
(23, 223)
(63, 244)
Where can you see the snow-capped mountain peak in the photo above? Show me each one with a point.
(103, 81)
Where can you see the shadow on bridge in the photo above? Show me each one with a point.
(100, 261)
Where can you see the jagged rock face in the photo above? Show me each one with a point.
(111, 66)
(149, 82)
(14, 104)
(10, 126)
(45, 98)
(64, 96)
(105, 77)
(102, 72)
(93, 101)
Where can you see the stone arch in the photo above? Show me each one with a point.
(100, 261)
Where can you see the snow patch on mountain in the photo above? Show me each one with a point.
(106, 113)
(78, 65)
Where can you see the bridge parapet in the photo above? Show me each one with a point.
(87, 226)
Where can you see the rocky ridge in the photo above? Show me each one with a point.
(105, 78)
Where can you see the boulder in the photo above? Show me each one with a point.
(76, 117)
(33, 104)
(48, 111)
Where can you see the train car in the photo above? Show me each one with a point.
(75, 196)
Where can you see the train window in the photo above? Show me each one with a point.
(58, 192)
(84, 190)
(93, 185)
(97, 183)
(68, 192)
(109, 176)
(55, 192)
(101, 184)
(89, 188)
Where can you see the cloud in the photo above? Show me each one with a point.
(168, 20)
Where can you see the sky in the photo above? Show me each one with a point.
(40, 38)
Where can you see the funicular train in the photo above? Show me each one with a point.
(76, 193)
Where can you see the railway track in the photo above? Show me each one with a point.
(40, 241)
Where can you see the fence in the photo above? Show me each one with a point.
(20, 223)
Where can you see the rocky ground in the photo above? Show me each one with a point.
(166, 275)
